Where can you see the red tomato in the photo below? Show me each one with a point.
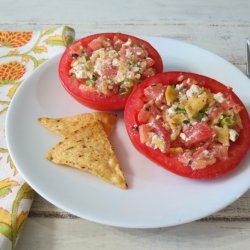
(94, 99)
(153, 91)
(169, 161)
(200, 132)
(230, 104)
(147, 113)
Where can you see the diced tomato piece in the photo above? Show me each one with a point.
(201, 161)
(230, 104)
(153, 91)
(117, 43)
(76, 48)
(150, 62)
(139, 52)
(162, 132)
(219, 151)
(148, 72)
(214, 113)
(144, 115)
(98, 43)
(144, 130)
(200, 132)
(109, 71)
(95, 44)
(147, 113)
(197, 159)
(185, 158)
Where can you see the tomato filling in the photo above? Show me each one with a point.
(111, 66)
(189, 122)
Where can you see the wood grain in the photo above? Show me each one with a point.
(82, 234)
(238, 211)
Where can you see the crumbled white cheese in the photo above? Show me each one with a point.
(233, 135)
(183, 136)
(204, 119)
(159, 142)
(206, 154)
(157, 117)
(80, 74)
(135, 69)
(128, 43)
(219, 97)
(115, 62)
(128, 53)
(194, 90)
(179, 86)
(171, 110)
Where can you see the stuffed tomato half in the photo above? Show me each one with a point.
(101, 70)
(191, 125)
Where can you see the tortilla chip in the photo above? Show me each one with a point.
(65, 126)
(89, 149)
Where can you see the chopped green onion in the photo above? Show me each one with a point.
(198, 116)
(227, 121)
(90, 83)
(125, 91)
(128, 80)
(180, 110)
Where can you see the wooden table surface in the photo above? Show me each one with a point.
(219, 26)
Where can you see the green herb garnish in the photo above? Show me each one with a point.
(186, 121)
(125, 91)
(128, 80)
(90, 83)
(94, 77)
(136, 127)
(227, 121)
(180, 110)
(198, 116)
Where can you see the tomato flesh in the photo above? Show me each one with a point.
(200, 132)
(112, 100)
(222, 158)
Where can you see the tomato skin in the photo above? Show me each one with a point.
(93, 99)
(236, 152)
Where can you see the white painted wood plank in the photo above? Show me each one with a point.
(226, 41)
(82, 11)
(65, 234)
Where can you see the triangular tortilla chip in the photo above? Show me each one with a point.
(89, 149)
(65, 126)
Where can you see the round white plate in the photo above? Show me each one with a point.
(156, 197)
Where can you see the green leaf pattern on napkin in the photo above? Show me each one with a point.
(20, 54)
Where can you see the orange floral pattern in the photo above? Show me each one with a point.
(14, 39)
(11, 71)
(16, 63)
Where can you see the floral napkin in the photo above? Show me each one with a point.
(20, 54)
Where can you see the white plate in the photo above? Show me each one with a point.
(156, 197)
